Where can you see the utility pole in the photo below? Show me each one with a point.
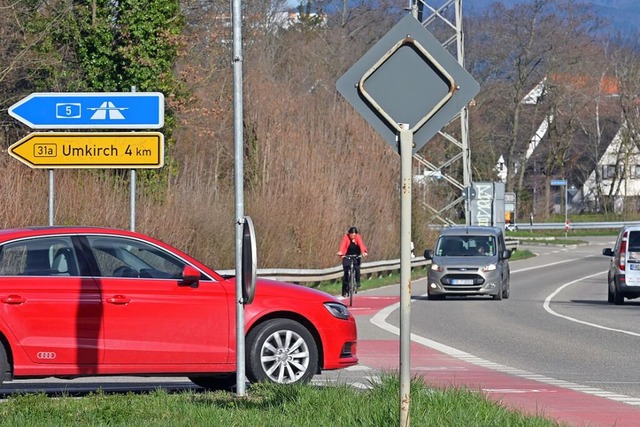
(448, 15)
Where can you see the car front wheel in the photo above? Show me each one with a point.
(498, 295)
(506, 292)
(281, 351)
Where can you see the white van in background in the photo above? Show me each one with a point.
(624, 270)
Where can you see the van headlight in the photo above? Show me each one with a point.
(487, 268)
(436, 267)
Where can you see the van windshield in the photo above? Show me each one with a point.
(466, 246)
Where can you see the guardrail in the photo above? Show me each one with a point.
(574, 225)
(367, 269)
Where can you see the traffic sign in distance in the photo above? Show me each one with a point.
(408, 78)
(558, 182)
(78, 150)
(108, 110)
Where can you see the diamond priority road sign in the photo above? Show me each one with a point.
(408, 81)
(86, 150)
(89, 110)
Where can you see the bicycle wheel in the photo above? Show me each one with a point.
(352, 284)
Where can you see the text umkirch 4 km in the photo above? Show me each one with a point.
(91, 150)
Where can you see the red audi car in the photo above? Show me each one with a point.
(86, 301)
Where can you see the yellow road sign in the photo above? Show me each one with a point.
(125, 150)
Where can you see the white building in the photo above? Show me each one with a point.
(617, 173)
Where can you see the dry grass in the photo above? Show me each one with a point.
(312, 168)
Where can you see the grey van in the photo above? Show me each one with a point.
(469, 260)
(624, 270)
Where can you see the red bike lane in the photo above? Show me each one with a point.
(517, 390)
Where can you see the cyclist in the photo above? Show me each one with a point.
(351, 244)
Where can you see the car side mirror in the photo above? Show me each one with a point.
(506, 254)
(607, 252)
(190, 276)
(428, 254)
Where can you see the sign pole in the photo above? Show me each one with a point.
(566, 212)
(239, 191)
(51, 196)
(132, 190)
(406, 155)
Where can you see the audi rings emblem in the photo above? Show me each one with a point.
(46, 355)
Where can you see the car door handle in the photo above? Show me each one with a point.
(119, 300)
(14, 299)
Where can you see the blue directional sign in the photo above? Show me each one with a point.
(89, 110)
(558, 182)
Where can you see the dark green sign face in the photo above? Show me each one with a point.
(408, 80)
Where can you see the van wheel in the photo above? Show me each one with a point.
(610, 297)
(506, 293)
(498, 296)
(618, 299)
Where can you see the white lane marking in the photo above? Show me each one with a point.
(547, 307)
(380, 320)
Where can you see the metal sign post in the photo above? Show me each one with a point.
(407, 87)
(406, 155)
(236, 14)
(563, 183)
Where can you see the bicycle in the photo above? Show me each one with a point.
(352, 285)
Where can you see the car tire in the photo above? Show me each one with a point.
(281, 351)
(618, 298)
(610, 296)
(506, 293)
(215, 382)
(498, 296)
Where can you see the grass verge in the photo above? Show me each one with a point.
(269, 405)
(373, 282)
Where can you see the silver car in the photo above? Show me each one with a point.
(470, 260)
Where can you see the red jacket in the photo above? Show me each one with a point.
(344, 244)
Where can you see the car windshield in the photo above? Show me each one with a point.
(466, 246)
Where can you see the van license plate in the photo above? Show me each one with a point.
(634, 266)
(462, 281)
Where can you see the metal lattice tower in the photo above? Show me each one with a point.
(446, 18)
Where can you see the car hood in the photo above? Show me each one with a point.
(268, 287)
